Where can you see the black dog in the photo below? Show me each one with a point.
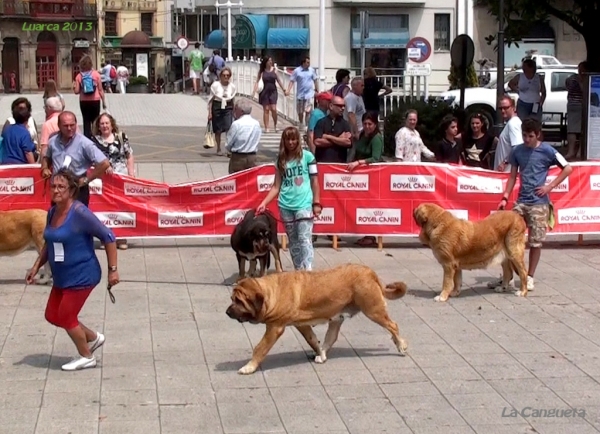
(256, 237)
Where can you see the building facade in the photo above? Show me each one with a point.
(288, 31)
(132, 32)
(554, 38)
(43, 40)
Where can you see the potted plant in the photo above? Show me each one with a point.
(138, 85)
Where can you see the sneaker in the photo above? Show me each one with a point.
(98, 342)
(79, 363)
(498, 283)
(530, 283)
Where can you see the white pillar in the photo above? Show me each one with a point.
(322, 45)
(229, 48)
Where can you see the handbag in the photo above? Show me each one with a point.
(209, 137)
(260, 85)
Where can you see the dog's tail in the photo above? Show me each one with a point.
(394, 291)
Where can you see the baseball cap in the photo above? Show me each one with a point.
(327, 96)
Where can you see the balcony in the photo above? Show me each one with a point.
(54, 10)
(128, 5)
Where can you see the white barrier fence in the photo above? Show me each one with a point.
(245, 73)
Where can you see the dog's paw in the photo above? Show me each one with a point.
(439, 298)
(403, 347)
(321, 358)
(248, 369)
(520, 294)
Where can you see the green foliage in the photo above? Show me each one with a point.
(454, 77)
(138, 80)
(430, 112)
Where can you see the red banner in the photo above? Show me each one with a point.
(376, 200)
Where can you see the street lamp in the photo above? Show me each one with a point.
(322, 45)
(229, 4)
(500, 74)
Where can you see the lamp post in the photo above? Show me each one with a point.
(500, 72)
(321, 45)
(229, 4)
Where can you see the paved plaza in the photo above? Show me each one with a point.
(482, 363)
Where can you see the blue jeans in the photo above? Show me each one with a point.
(299, 233)
(524, 111)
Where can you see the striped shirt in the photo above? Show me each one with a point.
(574, 92)
(244, 136)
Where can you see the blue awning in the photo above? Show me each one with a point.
(214, 40)
(250, 32)
(382, 39)
(291, 39)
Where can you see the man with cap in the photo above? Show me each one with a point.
(323, 100)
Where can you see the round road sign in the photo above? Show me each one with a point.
(182, 43)
(420, 44)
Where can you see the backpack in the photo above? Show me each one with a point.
(113, 73)
(87, 83)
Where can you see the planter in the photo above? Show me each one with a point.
(138, 88)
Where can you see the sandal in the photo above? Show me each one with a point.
(366, 242)
(220, 153)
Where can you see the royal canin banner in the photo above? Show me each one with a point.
(375, 200)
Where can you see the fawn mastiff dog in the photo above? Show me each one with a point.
(306, 298)
(463, 245)
(22, 229)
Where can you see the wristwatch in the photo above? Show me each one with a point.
(113, 268)
(85, 180)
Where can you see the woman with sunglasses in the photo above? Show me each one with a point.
(220, 106)
(478, 143)
(69, 249)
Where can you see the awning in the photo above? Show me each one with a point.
(214, 40)
(291, 39)
(381, 39)
(248, 33)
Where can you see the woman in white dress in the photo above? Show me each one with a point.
(220, 105)
(530, 87)
(409, 146)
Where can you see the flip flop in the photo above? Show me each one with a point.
(366, 242)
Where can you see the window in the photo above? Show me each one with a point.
(392, 23)
(290, 21)
(147, 21)
(559, 81)
(191, 30)
(110, 24)
(441, 30)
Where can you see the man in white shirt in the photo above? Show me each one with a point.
(510, 136)
(243, 138)
(355, 106)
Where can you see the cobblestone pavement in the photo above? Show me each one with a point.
(171, 356)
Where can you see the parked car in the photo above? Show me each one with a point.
(483, 99)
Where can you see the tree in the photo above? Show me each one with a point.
(454, 78)
(582, 15)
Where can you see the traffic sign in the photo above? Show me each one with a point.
(462, 51)
(419, 49)
(182, 43)
(418, 69)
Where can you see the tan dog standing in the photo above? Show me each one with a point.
(463, 245)
(306, 298)
(20, 230)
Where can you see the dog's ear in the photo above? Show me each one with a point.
(420, 216)
(257, 303)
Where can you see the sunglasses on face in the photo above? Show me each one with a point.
(58, 187)
(505, 107)
(225, 75)
(339, 105)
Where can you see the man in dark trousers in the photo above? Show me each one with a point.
(332, 137)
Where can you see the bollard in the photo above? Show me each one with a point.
(379, 244)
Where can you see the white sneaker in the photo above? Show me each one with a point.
(530, 283)
(497, 283)
(79, 363)
(98, 342)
